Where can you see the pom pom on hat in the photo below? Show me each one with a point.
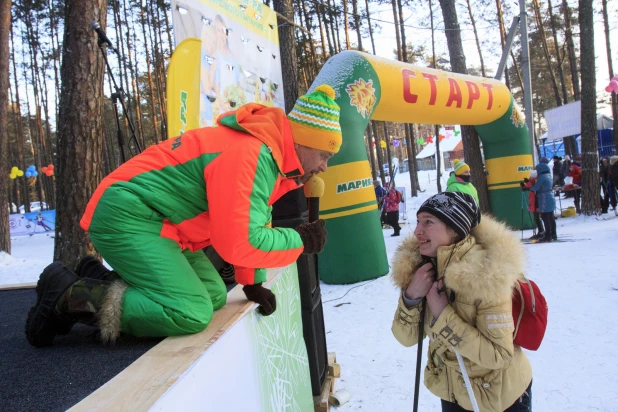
(460, 167)
(314, 120)
(326, 89)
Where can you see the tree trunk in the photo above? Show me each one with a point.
(357, 22)
(168, 29)
(396, 20)
(379, 152)
(331, 20)
(331, 49)
(610, 66)
(55, 56)
(134, 84)
(322, 35)
(308, 25)
(541, 29)
(122, 57)
(470, 138)
(287, 47)
(404, 47)
(438, 159)
(411, 149)
(571, 50)
(5, 168)
(336, 25)
(80, 137)
(503, 40)
(373, 44)
(476, 37)
(389, 154)
(19, 129)
(346, 25)
(372, 159)
(590, 158)
(153, 114)
(560, 58)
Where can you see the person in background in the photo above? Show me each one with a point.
(466, 270)
(557, 171)
(545, 201)
(380, 194)
(532, 204)
(607, 185)
(575, 171)
(460, 180)
(391, 206)
(613, 177)
(566, 164)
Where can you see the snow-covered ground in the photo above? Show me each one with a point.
(576, 368)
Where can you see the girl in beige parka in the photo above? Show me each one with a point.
(467, 272)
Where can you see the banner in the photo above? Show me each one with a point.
(239, 55)
(31, 223)
(564, 121)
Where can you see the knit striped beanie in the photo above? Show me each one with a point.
(460, 167)
(457, 210)
(314, 120)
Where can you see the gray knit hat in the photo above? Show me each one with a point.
(457, 210)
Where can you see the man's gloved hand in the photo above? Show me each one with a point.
(313, 236)
(259, 294)
(526, 180)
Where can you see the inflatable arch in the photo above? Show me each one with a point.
(372, 88)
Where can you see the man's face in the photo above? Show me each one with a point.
(313, 161)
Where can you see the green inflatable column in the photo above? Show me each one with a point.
(508, 160)
(355, 249)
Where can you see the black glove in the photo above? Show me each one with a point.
(259, 294)
(522, 184)
(526, 180)
(313, 236)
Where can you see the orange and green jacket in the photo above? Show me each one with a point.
(216, 185)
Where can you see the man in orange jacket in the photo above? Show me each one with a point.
(152, 216)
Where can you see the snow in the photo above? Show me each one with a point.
(576, 368)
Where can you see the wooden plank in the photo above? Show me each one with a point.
(140, 385)
(334, 369)
(320, 402)
(17, 286)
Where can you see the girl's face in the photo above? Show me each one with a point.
(432, 233)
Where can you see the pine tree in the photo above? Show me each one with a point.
(472, 150)
(81, 128)
(5, 25)
(590, 158)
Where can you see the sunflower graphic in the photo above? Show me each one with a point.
(517, 118)
(362, 96)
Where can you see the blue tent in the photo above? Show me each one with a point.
(556, 148)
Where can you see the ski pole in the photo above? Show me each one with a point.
(419, 354)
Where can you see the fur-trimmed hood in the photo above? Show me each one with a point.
(484, 266)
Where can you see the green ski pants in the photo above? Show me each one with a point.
(170, 291)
